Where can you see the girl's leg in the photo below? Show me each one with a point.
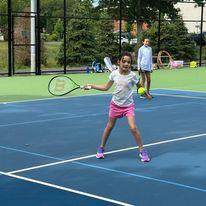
(142, 75)
(148, 76)
(110, 125)
(142, 152)
(135, 131)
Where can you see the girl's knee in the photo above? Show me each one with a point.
(143, 78)
(134, 129)
(110, 126)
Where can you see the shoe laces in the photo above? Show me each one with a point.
(143, 152)
(100, 150)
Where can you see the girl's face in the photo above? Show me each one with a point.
(125, 64)
(146, 42)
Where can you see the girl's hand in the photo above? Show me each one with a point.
(87, 87)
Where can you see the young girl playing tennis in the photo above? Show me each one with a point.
(122, 103)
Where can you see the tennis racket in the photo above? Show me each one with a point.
(109, 64)
(62, 85)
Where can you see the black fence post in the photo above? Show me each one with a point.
(120, 27)
(159, 31)
(201, 35)
(65, 37)
(9, 38)
(38, 49)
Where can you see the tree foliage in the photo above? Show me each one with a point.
(89, 39)
(18, 5)
(141, 11)
(81, 45)
(106, 44)
(174, 38)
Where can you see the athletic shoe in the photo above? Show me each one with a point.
(151, 96)
(144, 156)
(100, 153)
(142, 97)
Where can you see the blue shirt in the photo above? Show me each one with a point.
(144, 60)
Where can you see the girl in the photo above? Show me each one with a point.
(122, 103)
(144, 62)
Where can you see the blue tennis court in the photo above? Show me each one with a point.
(47, 152)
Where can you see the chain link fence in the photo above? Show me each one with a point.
(34, 40)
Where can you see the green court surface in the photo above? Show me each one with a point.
(17, 88)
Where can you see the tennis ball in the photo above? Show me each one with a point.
(141, 90)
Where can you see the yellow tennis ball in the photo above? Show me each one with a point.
(141, 90)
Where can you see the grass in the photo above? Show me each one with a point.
(51, 51)
(185, 79)
(3, 56)
(17, 88)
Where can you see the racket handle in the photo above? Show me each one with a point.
(86, 87)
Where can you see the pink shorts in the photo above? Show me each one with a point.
(116, 111)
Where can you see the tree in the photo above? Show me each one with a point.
(174, 38)
(54, 9)
(138, 11)
(58, 30)
(21, 36)
(105, 39)
(81, 44)
(17, 5)
(141, 11)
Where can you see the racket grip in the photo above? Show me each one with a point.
(86, 87)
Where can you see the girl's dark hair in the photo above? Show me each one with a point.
(145, 37)
(128, 54)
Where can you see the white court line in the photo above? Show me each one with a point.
(87, 95)
(180, 90)
(55, 98)
(80, 116)
(52, 119)
(66, 189)
(110, 152)
(180, 96)
(110, 93)
(89, 115)
(164, 106)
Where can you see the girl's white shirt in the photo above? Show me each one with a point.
(123, 93)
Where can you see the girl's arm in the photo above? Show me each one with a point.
(103, 87)
(139, 57)
(151, 60)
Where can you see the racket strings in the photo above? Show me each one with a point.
(62, 85)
